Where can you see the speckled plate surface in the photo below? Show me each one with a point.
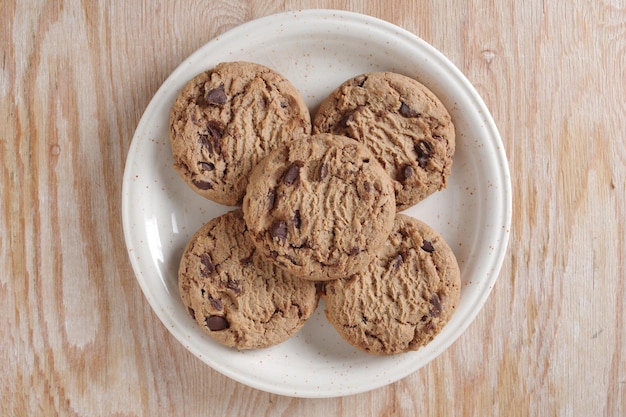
(317, 50)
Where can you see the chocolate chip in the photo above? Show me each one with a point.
(424, 151)
(297, 221)
(211, 139)
(233, 284)
(216, 303)
(202, 185)
(246, 261)
(283, 105)
(367, 186)
(407, 111)
(271, 199)
(354, 251)
(207, 263)
(191, 312)
(292, 174)
(322, 172)
(436, 310)
(346, 120)
(428, 246)
(216, 96)
(206, 166)
(216, 323)
(279, 230)
(215, 129)
(397, 262)
(407, 172)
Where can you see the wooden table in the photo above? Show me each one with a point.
(79, 338)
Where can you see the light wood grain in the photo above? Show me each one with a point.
(77, 335)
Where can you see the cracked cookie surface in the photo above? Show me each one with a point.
(405, 296)
(226, 119)
(319, 207)
(236, 296)
(402, 122)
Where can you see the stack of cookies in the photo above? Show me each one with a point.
(320, 204)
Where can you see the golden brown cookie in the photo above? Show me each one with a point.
(226, 119)
(402, 122)
(405, 296)
(319, 207)
(236, 296)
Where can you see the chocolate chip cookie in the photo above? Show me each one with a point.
(226, 119)
(402, 122)
(236, 296)
(404, 297)
(319, 207)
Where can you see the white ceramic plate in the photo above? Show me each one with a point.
(317, 50)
